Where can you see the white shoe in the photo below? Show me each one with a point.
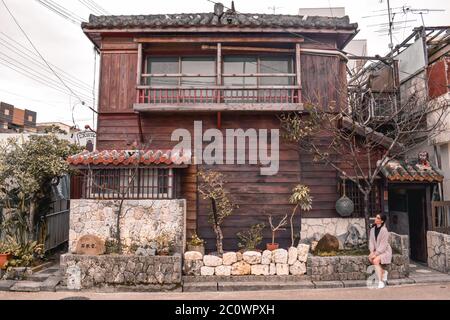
(381, 285)
(385, 274)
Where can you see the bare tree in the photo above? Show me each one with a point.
(358, 137)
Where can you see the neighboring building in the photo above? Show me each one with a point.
(61, 127)
(13, 119)
(230, 71)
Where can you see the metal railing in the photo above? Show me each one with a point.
(440, 216)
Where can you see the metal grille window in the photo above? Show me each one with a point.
(352, 191)
(125, 183)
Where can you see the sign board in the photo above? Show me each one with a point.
(90, 245)
(87, 139)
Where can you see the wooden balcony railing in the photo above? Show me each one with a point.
(216, 94)
(440, 216)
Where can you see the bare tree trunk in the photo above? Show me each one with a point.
(217, 228)
(30, 221)
(366, 213)
(292, 225)
(119, 214)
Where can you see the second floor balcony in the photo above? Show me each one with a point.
(235, 81)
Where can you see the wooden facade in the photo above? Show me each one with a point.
(125, 118)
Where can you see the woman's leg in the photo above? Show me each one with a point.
(378, 269)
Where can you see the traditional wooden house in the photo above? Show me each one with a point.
(228, 70)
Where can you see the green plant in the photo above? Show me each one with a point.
(5, 247)
(301, 198)
(164, 243)
(251, 238)
(196, 240)
(22, 255)
(112, 246)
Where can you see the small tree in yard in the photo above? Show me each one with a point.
(27, 172)
(302, 199)
(211, 187)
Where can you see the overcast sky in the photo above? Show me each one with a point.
(64, 45)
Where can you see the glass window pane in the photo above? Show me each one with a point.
(239, 65)
(162, 65)
(276, 65)
(203, 65)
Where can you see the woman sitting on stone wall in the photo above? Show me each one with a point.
(380, 250)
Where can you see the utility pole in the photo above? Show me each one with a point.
(274, 8)
(391, 44)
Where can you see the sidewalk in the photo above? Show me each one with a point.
(48, 280)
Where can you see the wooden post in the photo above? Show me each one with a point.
(139, 65)
(298, 71)
(219, 70)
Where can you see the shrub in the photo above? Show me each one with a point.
(251, 238)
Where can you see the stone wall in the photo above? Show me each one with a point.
(278, 262)
(438, 247)
(355, 267)
(142, 220)
(84, 272)
(314, 228)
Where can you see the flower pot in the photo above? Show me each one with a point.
(4, 257)
(271, 246)
(200, 249)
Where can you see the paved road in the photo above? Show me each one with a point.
(405, 292)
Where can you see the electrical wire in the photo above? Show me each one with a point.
(37, 51)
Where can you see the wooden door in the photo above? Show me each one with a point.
(417, 224)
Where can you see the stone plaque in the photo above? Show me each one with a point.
(90, 245)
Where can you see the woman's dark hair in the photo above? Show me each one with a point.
(383, 217)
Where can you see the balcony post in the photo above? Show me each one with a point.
(139, 65)
(219, 70)
(298, 71)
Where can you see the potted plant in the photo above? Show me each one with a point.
(272, 246)
(164, 244)
(5, 253)
(250, 239)
(196, 244)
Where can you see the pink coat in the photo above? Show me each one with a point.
(381, 245)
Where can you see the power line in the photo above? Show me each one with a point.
(39, 64)
(61, 12)
(93, 7)
(37, 51)
(21, 48)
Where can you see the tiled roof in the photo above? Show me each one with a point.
(404, 171)
(234, 20)
(130, 157)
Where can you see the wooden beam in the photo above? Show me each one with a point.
(216, 39)
(196, 75)
(298, 71)
(216, 87)
(139, 64)
(259, 49)
(219, 68)
(217, 107)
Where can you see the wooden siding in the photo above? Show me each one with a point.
(117, 81)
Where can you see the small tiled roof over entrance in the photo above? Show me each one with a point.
(130, 158)
(412, 171)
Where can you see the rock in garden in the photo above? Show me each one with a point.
(229, 258)
(193, 255)
(145, 252)
(239, 256)
(192, 267)
(272, 269)
(212, 261)
(266, 257)
(303, 250)
(260, 269)
(282, 269)
(207, 271)
(292, 255)
(298, 268)
(241, 268)
(353, 237)
(223, 270)
(252, 257)
(280, 256)
(328, 243)
(90, 245)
